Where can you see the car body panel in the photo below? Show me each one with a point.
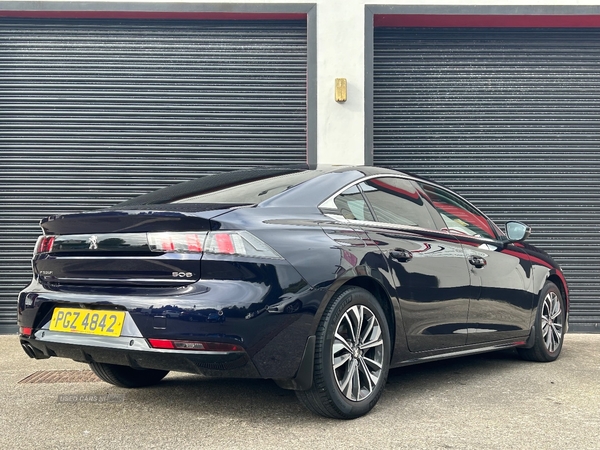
(437, 303)
(433, 287)
(502, 310)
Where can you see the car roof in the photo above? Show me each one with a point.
(213, 183)
(372, 170)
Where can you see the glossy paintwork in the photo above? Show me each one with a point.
(116, 270)
(433, 287)
(232, 308)
(145, 220)
(500, 275)
(503, 306)
(439, 304)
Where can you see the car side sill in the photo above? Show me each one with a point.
(463, 352)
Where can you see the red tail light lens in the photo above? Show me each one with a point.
(240, 243)
(176, 242)
(194, 242)
(224, 243)
(44, 244)
(26, 331)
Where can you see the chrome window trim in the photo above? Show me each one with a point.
(460, 197)
(329, 204)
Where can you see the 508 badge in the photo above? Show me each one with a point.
(182, 274)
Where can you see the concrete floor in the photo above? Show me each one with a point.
(493, 401)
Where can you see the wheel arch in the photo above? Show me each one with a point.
(556, 278)
(303, 379)
(379, 292)
(561, 284)
(534, 349)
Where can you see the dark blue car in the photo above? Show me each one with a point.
(320, 279)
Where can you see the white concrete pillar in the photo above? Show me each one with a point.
(340, 54)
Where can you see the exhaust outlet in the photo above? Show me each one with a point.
(33, 352)
(28, 349)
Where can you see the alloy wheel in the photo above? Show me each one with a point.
(552, 321)
(358, 353)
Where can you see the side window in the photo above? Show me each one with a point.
(352, 205)
(397, 201)
(459, 217)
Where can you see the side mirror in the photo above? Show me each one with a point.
(517, 231)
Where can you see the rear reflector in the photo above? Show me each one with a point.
(194, 345)
(25, 331)
(44, 244)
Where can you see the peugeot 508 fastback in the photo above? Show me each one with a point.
(321, 280)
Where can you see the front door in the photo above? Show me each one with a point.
(502, 274)
(430, 270)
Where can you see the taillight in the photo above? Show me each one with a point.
(241, 243)
(44, 244)
(176, 242)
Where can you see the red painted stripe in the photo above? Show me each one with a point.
(153, 15)
(486, 21)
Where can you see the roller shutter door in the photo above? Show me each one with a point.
(93, 112)
(510, 118)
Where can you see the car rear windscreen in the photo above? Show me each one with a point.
(252, 192)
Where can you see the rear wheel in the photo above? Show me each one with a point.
(127, 377)
(549, 326)
(352, 357)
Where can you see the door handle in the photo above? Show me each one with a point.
(477, 261)
(401, 255)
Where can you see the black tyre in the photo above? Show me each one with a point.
(127, 377)
(549, 326)
(352, 356)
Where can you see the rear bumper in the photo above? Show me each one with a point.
(231, 312)
(135, 352)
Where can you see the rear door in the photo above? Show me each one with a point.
(430, 271)
(502, 274)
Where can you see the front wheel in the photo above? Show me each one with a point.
(352, 355)
(127, 377)
(549, 326)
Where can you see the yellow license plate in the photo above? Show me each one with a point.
(88, 321)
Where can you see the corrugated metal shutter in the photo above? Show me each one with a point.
(93, 112)
(510, 118)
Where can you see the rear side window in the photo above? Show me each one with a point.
(460, 217)
(352, 205)
(396, 201)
